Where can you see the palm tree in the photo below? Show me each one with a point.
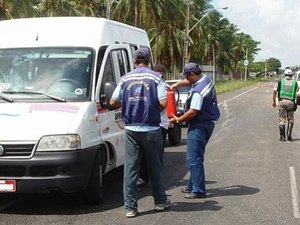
(164, 20)
(62, 8)
(219, 39)
(10, 9)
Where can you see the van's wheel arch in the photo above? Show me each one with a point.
(94, 191)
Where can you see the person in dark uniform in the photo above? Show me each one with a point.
(201, 111)
(164, 125)
(142, 96)
(286, 91)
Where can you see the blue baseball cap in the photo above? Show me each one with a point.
(191, 68)
(141, 53)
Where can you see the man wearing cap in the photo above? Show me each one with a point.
(164, 126)
(286, 91)
(201, 111)
(141, 94)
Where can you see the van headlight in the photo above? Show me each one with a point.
(59, 143)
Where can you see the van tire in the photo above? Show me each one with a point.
(94, 192)
(174, 134)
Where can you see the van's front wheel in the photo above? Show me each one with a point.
(93, 193)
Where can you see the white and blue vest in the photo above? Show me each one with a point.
(209, 110)
(140, 104)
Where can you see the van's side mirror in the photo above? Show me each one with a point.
(109, 88)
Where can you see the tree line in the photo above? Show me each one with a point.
(214, 38)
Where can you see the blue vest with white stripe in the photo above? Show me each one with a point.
(140, 104)
(209, 110)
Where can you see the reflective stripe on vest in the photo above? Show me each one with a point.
(290, 93)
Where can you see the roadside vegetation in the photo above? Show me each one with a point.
(226, 86)
(214, 40)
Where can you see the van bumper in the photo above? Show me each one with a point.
(50, 171)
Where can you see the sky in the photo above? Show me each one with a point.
(274, 23)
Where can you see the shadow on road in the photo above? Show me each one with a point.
(234, 190)
(58, 203)
(175, 178)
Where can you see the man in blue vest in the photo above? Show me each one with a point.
(164, 126)
(286, 91)
(141, 94)
(201, 112)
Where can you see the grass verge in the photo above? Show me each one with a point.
(225, 86)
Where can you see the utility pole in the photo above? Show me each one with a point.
(186, 36)
(188, 29)
(214, 64)
(108, 8)
(265, 68)
(246, 63)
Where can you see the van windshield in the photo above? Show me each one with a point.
(64, 73)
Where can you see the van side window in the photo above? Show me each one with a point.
(133, 48)
(99, 60)
(114, 65)
(123, 61)
(108, 75)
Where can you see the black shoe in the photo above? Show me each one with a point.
(194, 196)
(185, 190)
(282, 138)
(282, 132)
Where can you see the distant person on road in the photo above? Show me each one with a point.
(164, 125)
(142, 96)
(286, 91)
(201, 112)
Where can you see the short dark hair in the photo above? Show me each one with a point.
(159, 68)
(142, 61)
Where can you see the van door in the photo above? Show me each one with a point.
(116, 62)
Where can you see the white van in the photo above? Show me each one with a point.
(56, 78)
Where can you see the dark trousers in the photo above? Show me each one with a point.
(147, 144)
(144, 167)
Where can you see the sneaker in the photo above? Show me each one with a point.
(161, 207)
(185, 190)
(194, 196)
(131, 213)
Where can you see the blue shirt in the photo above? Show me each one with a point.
(197, 99)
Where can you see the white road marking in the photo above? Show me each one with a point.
(294, 193)
(238, 96)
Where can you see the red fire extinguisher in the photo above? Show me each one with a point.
(171, 104)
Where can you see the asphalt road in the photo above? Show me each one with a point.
(252, 178)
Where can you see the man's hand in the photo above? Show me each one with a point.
(173, 86)
(114, 104)
(274, 98)
(179, 84)
(174, 120)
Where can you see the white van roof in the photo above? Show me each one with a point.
(68, 31)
